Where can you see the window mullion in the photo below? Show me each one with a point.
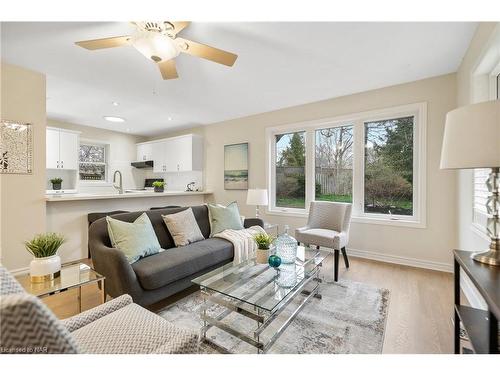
(310, 178)
(358, 168)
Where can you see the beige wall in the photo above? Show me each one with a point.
(122, 150)
(429, 247)
(22, 196)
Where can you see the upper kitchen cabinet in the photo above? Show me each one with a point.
(62, 149)
(144, 151)
(177, 154)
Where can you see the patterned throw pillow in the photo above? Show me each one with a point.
(135, 240)
(183, 227)
(222, 218)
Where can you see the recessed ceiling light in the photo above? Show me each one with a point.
(116, 104)
(169, 118)
(113, 119)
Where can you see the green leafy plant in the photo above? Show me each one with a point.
(56, 180)
(263, 240)
(158, 184)
(45, 244)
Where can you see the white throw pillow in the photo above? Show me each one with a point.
(183, 227)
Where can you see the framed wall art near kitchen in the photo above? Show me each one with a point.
(236, 166)
(16, 147)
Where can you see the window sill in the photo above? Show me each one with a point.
(95, 183)
(390, 222)
(287, 213)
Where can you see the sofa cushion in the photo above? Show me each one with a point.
(183, 227)
(174, 264)
(135, 240)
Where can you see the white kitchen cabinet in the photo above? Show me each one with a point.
(144, 151)
(159, 157)
(61, 149)
(177, 154)
(52, 147)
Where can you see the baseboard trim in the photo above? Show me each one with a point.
(395, 259)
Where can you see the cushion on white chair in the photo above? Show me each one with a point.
(321, 237)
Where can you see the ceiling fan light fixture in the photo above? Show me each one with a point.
(155, 46)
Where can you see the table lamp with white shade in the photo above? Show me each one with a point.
(472, 140)
(257, 197)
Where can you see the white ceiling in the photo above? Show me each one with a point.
(280, 64)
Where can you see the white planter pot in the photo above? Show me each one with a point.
(43, 269)
(261, 256)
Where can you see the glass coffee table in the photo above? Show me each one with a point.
(260, 294)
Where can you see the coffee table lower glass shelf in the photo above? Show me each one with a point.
(259, 294)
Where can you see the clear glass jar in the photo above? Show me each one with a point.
(286, 247)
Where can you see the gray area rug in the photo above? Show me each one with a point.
(350, 318)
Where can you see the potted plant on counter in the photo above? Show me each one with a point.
(159, 186)
(264, 243)
(56, 183)
(47, 264)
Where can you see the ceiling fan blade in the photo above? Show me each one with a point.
(167, 69)
(116, 41)
(206, 52)
(178, 26)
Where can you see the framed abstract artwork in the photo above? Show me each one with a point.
(236, 166)
(16, 147)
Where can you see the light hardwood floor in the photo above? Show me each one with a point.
(420, 306)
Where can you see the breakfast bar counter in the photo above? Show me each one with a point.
(125, 195)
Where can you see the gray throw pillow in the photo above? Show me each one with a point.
(183, 227)
(222, 218)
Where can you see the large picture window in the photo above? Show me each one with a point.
(333, 164)
(388, 168)
(290, 164)
(374, 160)
(92, 162)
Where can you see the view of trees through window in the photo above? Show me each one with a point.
(389, 166)
(92, 162)
(333, 164)
(290, 170)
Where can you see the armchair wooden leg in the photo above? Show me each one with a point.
(336, 265)
(346, 259)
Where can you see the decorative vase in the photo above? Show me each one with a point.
(286, 247)
(287, 276)
(56, 186)
(159, 189)
(43, 269)
(274, 261)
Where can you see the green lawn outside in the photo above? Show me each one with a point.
(404, 204)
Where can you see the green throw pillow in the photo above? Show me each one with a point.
(135, 240)
(222, 218)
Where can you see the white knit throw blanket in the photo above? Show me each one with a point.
(243, 242)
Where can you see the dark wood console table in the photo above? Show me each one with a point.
(481, 326)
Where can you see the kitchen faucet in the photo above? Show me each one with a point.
(119, 187)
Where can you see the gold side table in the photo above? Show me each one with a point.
(73, 275)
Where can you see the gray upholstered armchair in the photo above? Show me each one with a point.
(328, 226)
(116, 327)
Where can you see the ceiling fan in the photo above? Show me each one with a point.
(158, 41)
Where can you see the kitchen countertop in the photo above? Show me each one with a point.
(90, 196)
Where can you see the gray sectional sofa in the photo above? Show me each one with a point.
(158, 276)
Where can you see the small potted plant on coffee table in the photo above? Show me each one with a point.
(56, 183)
(46, 264)
(159, 186)
(264, 243)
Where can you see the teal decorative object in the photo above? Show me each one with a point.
(274, 261)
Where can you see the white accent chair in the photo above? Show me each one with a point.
(328, 226)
